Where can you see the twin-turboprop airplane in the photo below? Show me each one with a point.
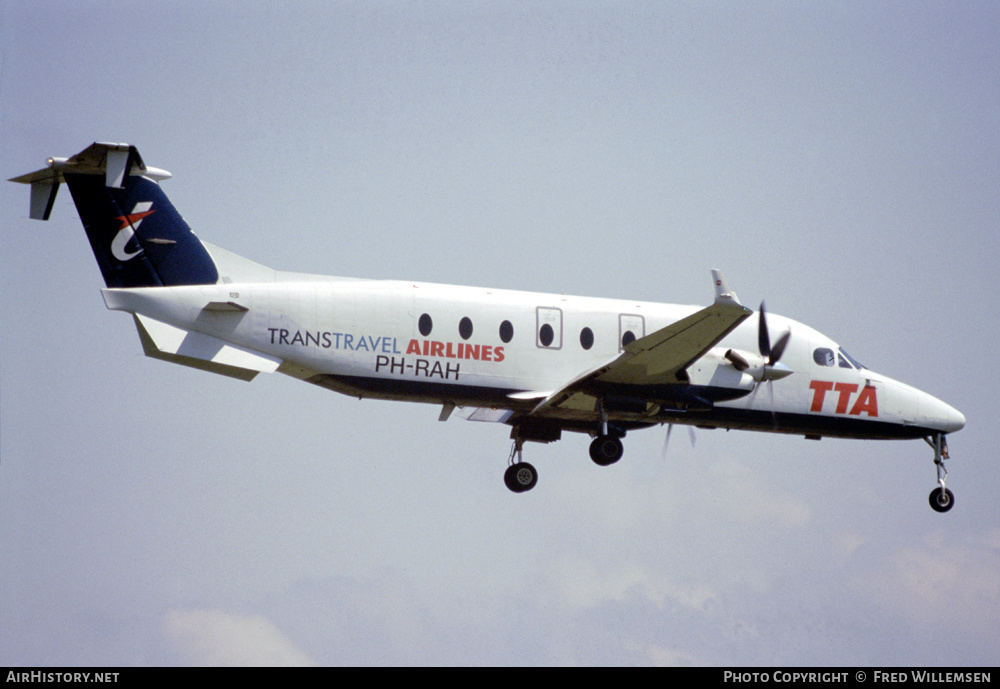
(540, 363)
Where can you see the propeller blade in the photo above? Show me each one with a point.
(666, 440)
(753, 395)
(770, 387)
(779, 347)
(763, 341)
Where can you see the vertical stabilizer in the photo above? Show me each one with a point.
(138, 237)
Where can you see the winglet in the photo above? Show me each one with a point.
(723, 295)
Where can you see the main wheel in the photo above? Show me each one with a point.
(606, 449)
(942, 500)
(520, 477)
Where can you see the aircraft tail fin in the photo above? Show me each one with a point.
(138, 237)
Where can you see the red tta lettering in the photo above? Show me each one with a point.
(867, 402)
(845, 390)
(819, 392)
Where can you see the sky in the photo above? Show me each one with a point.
(838, 159)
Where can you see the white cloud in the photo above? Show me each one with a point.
(581, 585)
(214, 638)
(750, 500)
(846, 544)
(940, 582)
(668, 657)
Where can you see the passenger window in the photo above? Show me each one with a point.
(506, 331)
(823, 356)
(546, 335)
(630, 328)
(548, 327)
(465, 328)
(425, 324)
(586, 338)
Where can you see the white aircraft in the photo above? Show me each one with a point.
(540, 363)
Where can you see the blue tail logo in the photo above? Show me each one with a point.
(130, 223)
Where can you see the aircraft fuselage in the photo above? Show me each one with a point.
(477, 347)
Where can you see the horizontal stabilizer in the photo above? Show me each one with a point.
(114, 161)
(176, 345)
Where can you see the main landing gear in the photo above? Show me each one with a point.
(606, 450)
(941, 499)
(520, 476)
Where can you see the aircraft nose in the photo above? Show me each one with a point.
(941, 416)
(955, 421)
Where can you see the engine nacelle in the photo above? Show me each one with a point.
(716, 370)
(756, 366)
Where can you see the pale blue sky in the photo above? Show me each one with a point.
(838, 159)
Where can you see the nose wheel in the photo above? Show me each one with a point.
(941, 499)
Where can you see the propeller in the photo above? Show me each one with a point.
(768, 366)
(666, 440)
(773, 369)
(772, 354)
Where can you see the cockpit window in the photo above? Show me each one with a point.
(850, 358)
(823, 356)
(842, 362)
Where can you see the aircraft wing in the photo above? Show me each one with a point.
(659, 358)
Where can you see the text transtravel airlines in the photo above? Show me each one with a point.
(382, 346)
(328, 339)
(539, 363)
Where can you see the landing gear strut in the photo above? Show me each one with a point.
(941, 499)
(520, 476)
(606, 448)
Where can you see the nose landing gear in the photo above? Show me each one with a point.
(941, 499)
